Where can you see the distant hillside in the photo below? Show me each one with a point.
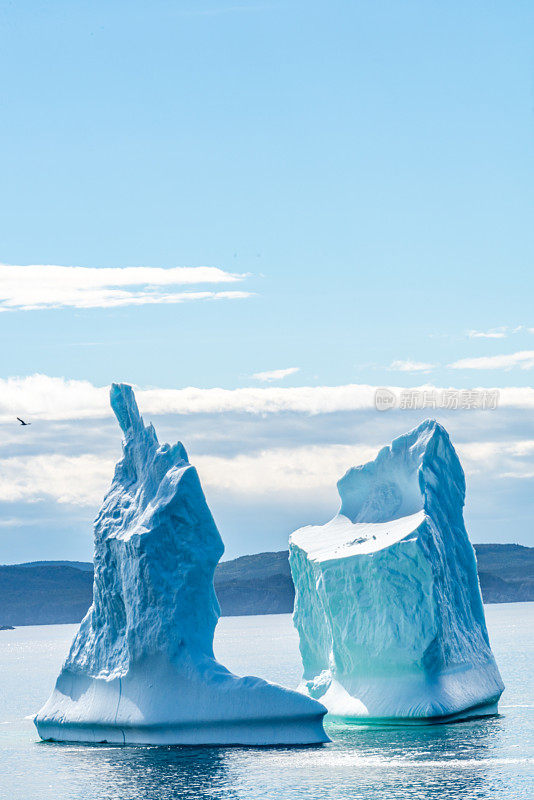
(258, 584)
(43, 595)
(45, 592)
(86, 566)
(506, 572)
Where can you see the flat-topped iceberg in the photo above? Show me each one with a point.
(388, 605)
(141, 668)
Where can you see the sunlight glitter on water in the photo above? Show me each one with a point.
(488, 759)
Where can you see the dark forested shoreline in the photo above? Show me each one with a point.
(51, 592)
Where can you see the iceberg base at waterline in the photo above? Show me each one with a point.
(141, 669)
(157, 704)
(415, 699)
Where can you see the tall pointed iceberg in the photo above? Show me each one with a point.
(141, 668)
(388, 605)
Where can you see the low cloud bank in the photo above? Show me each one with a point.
(268, 458)
(53, 398)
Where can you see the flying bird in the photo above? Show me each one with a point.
(22, 421)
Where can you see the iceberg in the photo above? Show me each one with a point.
(141, 668)
(388, 605)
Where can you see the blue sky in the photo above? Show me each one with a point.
(362, 175)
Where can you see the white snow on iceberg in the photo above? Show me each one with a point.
(141, 668)
(388, 605)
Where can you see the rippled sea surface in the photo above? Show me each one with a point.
(487, 758)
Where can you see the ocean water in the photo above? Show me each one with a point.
(486, 758)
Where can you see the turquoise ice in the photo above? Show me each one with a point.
(388, 605)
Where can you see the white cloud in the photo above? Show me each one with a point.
(488, 450)
(83, 480)
(253, 457)
(411, 366)
(524, 359)
(510, 459)
(282, 470)
(493, 333)
(42, 397)
(45, 397)
(317, 468)
(275, 374)
(28, 288)
(78, 480)
(289, 472)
